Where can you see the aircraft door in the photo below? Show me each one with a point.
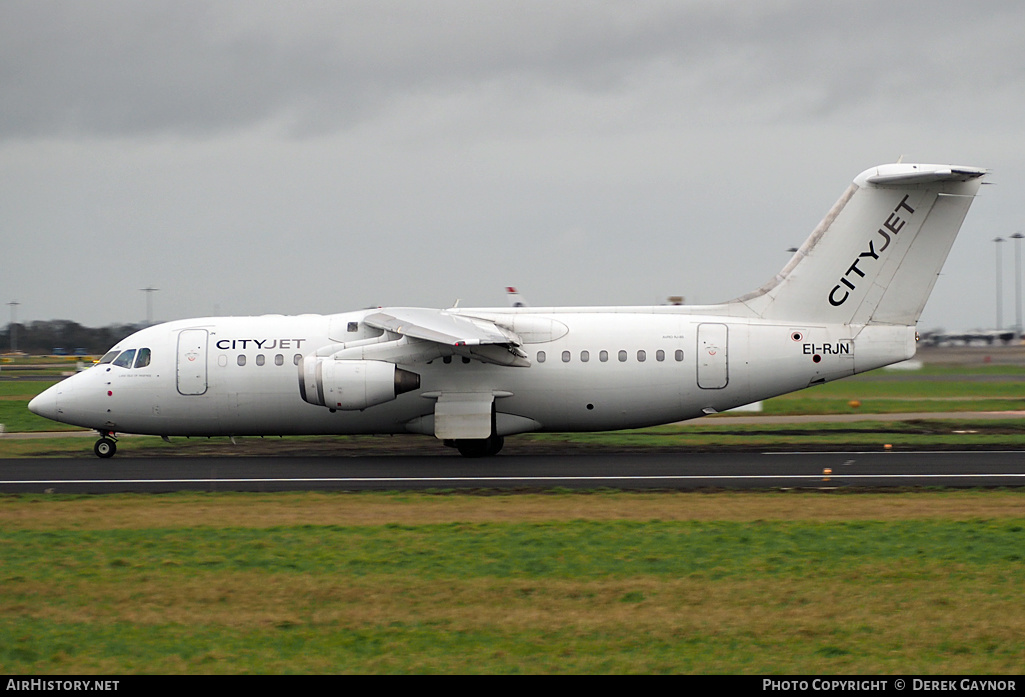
(192, 361)
(713, 356)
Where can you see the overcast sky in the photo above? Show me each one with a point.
(290, 157)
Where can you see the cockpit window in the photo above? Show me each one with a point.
(125, 359)
(142, 360)
(108, 357)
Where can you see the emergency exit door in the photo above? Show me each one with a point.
(713, 356)
(192, 361)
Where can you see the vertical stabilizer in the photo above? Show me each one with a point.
(875, 257)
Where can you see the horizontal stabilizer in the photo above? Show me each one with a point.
(910, 175)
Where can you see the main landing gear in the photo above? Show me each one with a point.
(478, 447)
(106, 446)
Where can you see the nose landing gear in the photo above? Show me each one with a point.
(106, 446)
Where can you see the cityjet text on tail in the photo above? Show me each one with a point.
(848, 301)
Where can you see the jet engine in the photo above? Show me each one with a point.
(351, 385)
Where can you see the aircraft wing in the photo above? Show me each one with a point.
(467, 336)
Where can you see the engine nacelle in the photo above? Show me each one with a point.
(351, 385)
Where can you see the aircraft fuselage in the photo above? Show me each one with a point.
(599, 370)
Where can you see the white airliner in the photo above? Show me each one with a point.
(848, 301)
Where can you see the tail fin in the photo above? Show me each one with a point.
(515, 299)
(875, 257)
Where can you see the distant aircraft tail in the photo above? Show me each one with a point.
(515, 299)
(875, 257)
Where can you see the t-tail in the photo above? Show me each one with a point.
(874, 258)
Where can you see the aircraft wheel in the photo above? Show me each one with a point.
(105, 448)
(472, 447)
(480, 447)
(495, 444)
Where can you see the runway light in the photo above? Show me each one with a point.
(825, 474)
(854, 404)
(887, 447)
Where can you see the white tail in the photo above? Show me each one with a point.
(875, 257)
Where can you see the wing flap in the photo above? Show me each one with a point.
(471, 337)
(441, 327)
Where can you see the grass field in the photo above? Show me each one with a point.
(561, 583)
(933, 388)
(14, 414)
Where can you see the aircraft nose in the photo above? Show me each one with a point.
(45, 403)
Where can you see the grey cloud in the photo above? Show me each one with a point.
(198, 68)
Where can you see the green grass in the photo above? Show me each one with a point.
(720, 434)
(804, 405)
(881, 392)
(14, 414)
(572, 593)
(556, 549)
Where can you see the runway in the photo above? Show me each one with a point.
(627, 471)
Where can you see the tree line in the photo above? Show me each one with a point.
(62, 336)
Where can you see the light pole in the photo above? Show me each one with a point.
(1000, 289)
(14, 327)
(1017, 237)
(149, 303)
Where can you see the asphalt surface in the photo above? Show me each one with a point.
(629, 471)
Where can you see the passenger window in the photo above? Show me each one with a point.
(641, 356)
(353, 327)
(296, 358)
(241, 359)
(585, 356)
(541, 356)
(260, 360)
(565, 356)
(622, 356)
(125, 359)
(603, 356)
(660, 355)
(108, 357)
(279, 359)
(679, 354)
(142, 360)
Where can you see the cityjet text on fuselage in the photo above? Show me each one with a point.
(259, 344)
(894, 223)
